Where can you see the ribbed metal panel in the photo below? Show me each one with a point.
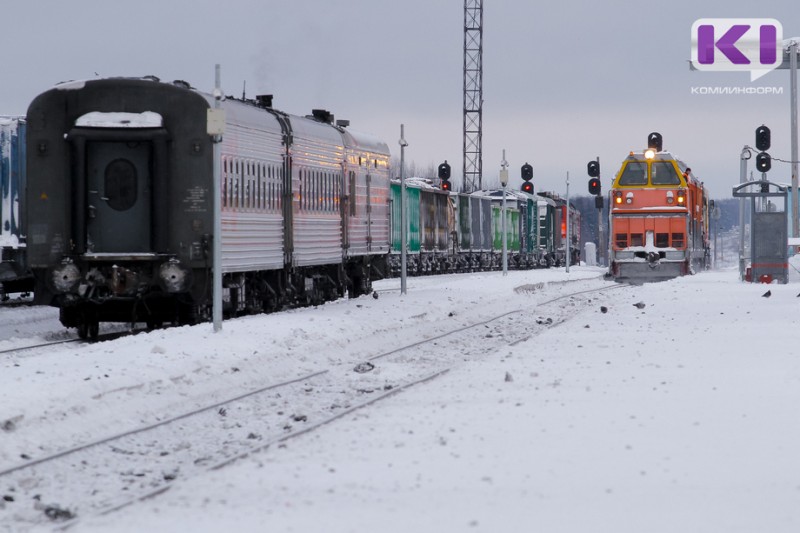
(443, 217)
(464, 222)
(252, 133)
(512, 228)
(485, 225)
(317, 240)
(412, 209)
(427, 220)
(251, 241)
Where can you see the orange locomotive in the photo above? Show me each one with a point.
(658, 217)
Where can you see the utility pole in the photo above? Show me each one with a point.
(215, 128)
(473, 95)
(403, 215)
(566, 214)
(743, 157)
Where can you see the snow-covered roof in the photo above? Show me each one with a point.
(96, 119)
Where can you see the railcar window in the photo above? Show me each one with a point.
(637, 239)
(301, 190)
(662, 240)
(663, 173)
(352, 192)
(120, 184)
(677, 240)
(622, 240)
(326, 192)
(635, 173)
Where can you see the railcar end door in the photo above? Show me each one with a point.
(119, 197)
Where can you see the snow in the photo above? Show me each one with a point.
(679, 416)
(97, 119)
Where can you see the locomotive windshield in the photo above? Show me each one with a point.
(663, 173)
(635, 173)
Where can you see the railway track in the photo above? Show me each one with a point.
(142, 461)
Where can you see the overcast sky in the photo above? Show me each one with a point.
(563, 82)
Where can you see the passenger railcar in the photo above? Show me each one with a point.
(121, 183)
(658, 218)
(14, 273)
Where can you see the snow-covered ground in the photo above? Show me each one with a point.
(678, 415)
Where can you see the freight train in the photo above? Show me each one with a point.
(120, 207)
(14, 274)
(658, 217)
(452, 232)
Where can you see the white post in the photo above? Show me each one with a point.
(403, 214)
(793, 91)
(217, 270)
(743, 157)
(504, 183)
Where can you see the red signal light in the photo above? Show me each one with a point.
(445, 185)
(527, 187)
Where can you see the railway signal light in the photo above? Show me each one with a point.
(594, 186)
(527, 172)
(593, 169)
(655, 141)
(444, 171)
(762, 138)
(763, 162)
(527, 187)
(444, 175)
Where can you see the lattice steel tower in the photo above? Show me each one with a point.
(473, 94)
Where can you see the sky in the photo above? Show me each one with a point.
(563, 82)
(620, 410)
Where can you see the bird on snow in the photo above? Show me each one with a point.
(639, 305)
(767, 294)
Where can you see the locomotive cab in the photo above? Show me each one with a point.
(658, 214)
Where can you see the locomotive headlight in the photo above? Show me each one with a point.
(174, 277)
(649, 153)
(681, 197)
(670, 197)
(629, 198)
(618, 198)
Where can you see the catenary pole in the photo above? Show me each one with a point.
(217, 270)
